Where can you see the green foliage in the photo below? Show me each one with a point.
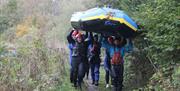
(12, 6)
(2, 48)
(3, 24)
(176, 79)
(9, 15)
(162, 31)
(34, 67)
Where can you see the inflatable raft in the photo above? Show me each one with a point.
(105, 20)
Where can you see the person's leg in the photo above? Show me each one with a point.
(71, 74)
(120, 77)
(114, 71)
(92, 72)
(81, 72)
(85, 61)
(75, 70)
(117, 77)
(87, 71)
(71, 69)
(107, 76)
(96, 72)
(107, 67)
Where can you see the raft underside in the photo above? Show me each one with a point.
(108, 27)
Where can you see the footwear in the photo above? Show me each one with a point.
(93, 83)
(79, 85)
(75, 85)
(96, 83)
(71, 81)
(107, 85)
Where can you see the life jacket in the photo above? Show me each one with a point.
(116, 58)
(75, 51)
(79, 49)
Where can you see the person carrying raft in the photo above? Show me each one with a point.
(79, 47)
(117, 52)
(94, 59)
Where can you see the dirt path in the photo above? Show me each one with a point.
(101, 87)
(89, 86)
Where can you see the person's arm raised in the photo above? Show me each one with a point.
(129, 45)
(69, 37)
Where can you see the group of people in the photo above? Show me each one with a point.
(85, 50)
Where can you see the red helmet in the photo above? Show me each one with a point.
(75, 32)
(79, 35)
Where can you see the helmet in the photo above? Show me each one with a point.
(110, 39)
(75, 32)
(79, 35)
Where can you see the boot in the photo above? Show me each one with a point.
(79, 85)
(75, 84)
(96, 83)
(114, 89)
(93, 82)
(71, 80)
(119, 88)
